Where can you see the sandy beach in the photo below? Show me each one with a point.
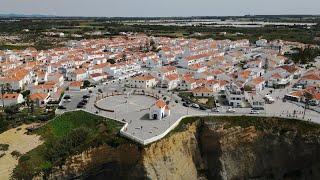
(18, 141)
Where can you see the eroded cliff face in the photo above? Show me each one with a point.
(248, 153)
(105, 161)
(175, 157)
(205, 150)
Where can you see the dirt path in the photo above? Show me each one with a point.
(18, 141)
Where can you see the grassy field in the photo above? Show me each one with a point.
(68, 134)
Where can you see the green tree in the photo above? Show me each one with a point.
(4, 89)
(86, 83)
(308, 96)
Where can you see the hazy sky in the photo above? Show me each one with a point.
(159, 7)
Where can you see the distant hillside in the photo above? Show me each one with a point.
(24, 15)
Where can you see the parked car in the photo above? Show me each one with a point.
(84, 101)
(185, 105)
(258, 108)
(79, 106)
(67, 97)
(86, 96)
(195, 105)
(230, 110)
(313, 103)
(66, 100)
(176, 101)
(203, 108)
(215, 110)
(61, 107)
(218, 105)
(254, 112)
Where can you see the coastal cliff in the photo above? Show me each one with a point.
(208, 148)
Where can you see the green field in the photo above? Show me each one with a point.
(68, 134)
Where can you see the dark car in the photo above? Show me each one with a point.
(61, 107)
(203, 108)
(84, 101)
(100, 90)
(67, 97)
(185, 105)
(257, 108)
(79, 106)
(176, 101)
(86, 96)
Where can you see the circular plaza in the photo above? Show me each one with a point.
(126, 103)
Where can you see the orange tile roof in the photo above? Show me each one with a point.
(38, 96)
(311, 77)
(257, 80)
(167, 68)
(160, 103)
(10, 96)
(144, 77)
(76, 84)
(202, 90)
(276, 75)
(172, 77)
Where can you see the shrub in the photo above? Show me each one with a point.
(4, 147)
(15, 154)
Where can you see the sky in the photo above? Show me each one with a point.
(157, 8)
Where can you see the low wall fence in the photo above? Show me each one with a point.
(175, 124)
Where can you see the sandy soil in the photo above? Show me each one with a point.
(203, 100)
(18, 141)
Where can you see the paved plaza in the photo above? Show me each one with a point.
(134, 110)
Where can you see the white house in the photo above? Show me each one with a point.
(235, 96)
(56, 77)
(143, 81)
(40, 99)
(44, 88)
(187, 83)
(78, 75)
(75, 86)
(310, 79)
(17, 79)
(123, 70)
(153, 62)
(170, 81)
(193, 59)
(203, 92)
(257, 84)
(11, 99)
(159, 110)
(262, 42)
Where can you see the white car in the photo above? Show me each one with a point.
(254, 112)
(230, 110)
(195, 106)
(215, 110)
